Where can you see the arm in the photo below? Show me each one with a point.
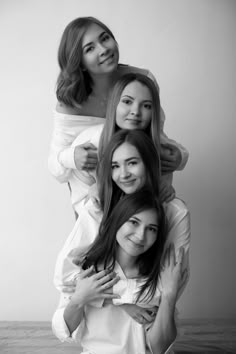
(65, 156)
(90, 286)
(179, 231)
(163, 331)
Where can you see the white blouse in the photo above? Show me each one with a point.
(86, 230)
(106, 328)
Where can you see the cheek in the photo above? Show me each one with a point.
(114, 175)
(120, 114)
(147, 120)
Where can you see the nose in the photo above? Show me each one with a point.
(124, 172)
(140, 234)
(102, 49)
(135, 109)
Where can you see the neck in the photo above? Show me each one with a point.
(127, 263)
(103, 83)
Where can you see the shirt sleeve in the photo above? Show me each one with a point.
(61, 153)
(164, 137)
(59, 326)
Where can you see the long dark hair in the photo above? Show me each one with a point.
(110, 126)
(109, 193)
(103, 250)
(74, 84)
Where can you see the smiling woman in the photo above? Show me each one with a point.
(128, 249)
(128, 169)
(88, 57)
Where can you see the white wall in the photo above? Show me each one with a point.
(190, 47)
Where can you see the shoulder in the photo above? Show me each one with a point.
(176, 208)
(91, 134)
(63, 108)
(126, 69)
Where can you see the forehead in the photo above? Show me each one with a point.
(136, 88)
(92, 33)
(125, 151)
(148, 216)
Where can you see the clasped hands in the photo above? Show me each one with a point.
(92, 286)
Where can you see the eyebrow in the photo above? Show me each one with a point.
(89, 43)
(133, 98)
(127, 160)
(135, 217)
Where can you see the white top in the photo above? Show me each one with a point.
(106, 328)
(86, 230)
(68, 127)
(80, 181)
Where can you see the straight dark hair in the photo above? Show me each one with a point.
(103, 251)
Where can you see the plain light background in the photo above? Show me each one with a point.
(191, 49)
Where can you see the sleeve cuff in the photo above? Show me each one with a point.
(66, 158)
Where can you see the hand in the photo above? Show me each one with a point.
(91, 286)
(170, 158)
(140, 314)
(167, 193)
(85, 157)
(172, 275)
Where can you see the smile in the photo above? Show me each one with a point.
(108, 59)
(137, 245)
(128, 183)
(133, 121)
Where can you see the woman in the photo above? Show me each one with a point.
(130, 243)
(88, 57)
(133, 104)
(130, 163)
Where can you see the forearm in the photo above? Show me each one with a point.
(163, 331)
(73, 316)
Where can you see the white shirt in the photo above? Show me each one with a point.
(106, 328)
(86, 229)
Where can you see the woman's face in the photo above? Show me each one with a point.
(138, 233)
(100, 53)
(128, 169)
(134, 110)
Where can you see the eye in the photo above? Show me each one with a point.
(132, 163)
(115, 166)
(147, 106)
(127, 101)
(133, 222)
(152, 229)
(89, 49)
(106, 37)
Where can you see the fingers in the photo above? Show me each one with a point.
(87, 146)
(110, 283)
(86, 273)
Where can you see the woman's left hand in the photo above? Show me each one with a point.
(170, 158)
(172, 275)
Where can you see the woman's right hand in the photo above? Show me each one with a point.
(85, 157)
(91, 286)
(140, 314)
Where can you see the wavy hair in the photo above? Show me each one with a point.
(103, 250)
(75, 84)
(109, 192)
(110, 126)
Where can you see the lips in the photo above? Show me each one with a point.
(109, 58)
(128, 183)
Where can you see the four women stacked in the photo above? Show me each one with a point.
(125, 263)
